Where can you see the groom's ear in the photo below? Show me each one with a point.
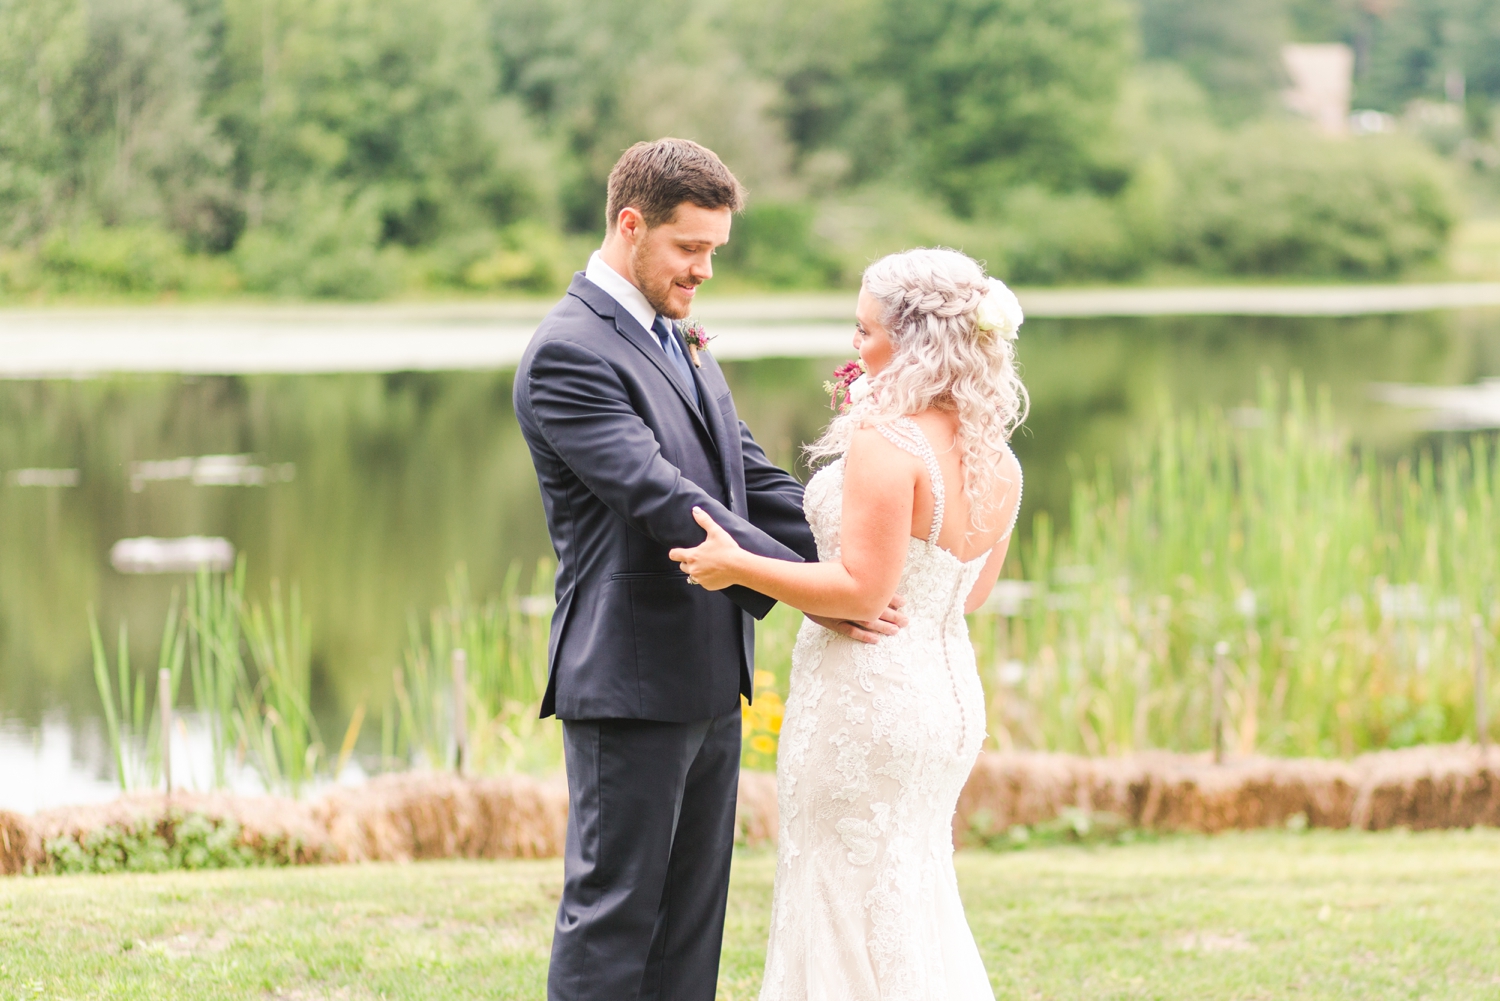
(630, 223)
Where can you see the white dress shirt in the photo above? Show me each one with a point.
(620, 290)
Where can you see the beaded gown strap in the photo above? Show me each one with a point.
(1015, 515)
(905, 435)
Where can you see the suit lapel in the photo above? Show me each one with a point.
(717, 428)
(603, 303)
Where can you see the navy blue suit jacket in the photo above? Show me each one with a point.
(623, 454)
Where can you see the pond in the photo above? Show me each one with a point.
(366, 491)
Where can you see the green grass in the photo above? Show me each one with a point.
(1261, 915)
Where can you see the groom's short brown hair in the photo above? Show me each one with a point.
(656, 177)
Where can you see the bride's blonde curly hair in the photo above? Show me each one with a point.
(946, 359)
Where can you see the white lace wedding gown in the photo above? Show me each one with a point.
(876, 744)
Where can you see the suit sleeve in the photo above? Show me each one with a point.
(582, 410)
(774, 499)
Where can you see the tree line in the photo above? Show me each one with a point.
(360, 148)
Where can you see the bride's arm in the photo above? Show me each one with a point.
(880, 483)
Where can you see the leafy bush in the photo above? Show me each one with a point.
(1280, 200)
(175, 840)
(1049, 237)
(328, 247)
(125, 259)
(773, 243)
(526, 256)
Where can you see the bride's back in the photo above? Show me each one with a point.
(965, 532)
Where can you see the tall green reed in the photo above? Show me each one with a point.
(138, 738)
(276, 718)
(1342, 585)
(216, 662)
(256, 708)
(505, 644)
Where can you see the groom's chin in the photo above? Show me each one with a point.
(679, 302)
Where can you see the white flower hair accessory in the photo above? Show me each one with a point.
(1000, 311)
(859, 389)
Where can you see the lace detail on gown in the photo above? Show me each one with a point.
(876, 745)
(904, 434)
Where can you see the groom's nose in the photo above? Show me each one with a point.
(702, 267)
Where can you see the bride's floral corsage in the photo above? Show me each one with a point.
(999, 311)
(695, 337)
(848, 386)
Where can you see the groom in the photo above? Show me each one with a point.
(628, 436)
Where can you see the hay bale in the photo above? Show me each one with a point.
(427, 815)
(424, 815)
(756, 816)
(1422, 787)
(20, 847)
(284, 830)
(1021, 787)
(1428, 787)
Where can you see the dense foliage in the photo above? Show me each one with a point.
(360, 148)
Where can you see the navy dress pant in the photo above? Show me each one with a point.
(646, 873)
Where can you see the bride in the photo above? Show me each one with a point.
(918, 500)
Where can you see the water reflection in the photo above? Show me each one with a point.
(368, 489)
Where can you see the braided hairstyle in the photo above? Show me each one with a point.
(945, 358)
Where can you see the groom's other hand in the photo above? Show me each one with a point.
(891, 622)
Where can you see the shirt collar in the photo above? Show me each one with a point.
(621, 290)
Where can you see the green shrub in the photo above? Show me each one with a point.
(174, 840)
(125, 259)
(774, 244)
(1280, 200)
(20, 273)
(1049, 237)
(328, 247)
(526, 256)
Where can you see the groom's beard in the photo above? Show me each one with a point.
(656, 285)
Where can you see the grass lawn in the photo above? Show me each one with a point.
(1263, 915)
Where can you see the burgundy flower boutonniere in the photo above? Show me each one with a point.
(695, 337)
(839, 389)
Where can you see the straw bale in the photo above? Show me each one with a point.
(1428, 787)
(424, 815)
(756, 817)
(20, 847)
(1422, 787)
(273, 826)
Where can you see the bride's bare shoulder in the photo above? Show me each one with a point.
(1010, 466)
(871, 451)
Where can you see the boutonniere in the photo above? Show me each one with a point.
(848, 386)
(695, 337)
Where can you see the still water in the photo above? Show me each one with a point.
(366, 491)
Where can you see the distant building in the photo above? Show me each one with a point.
(1322, 84)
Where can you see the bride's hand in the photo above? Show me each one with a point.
(711, 563)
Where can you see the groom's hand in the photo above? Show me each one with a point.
(891, 622)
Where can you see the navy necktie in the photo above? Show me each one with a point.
(673, 347)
